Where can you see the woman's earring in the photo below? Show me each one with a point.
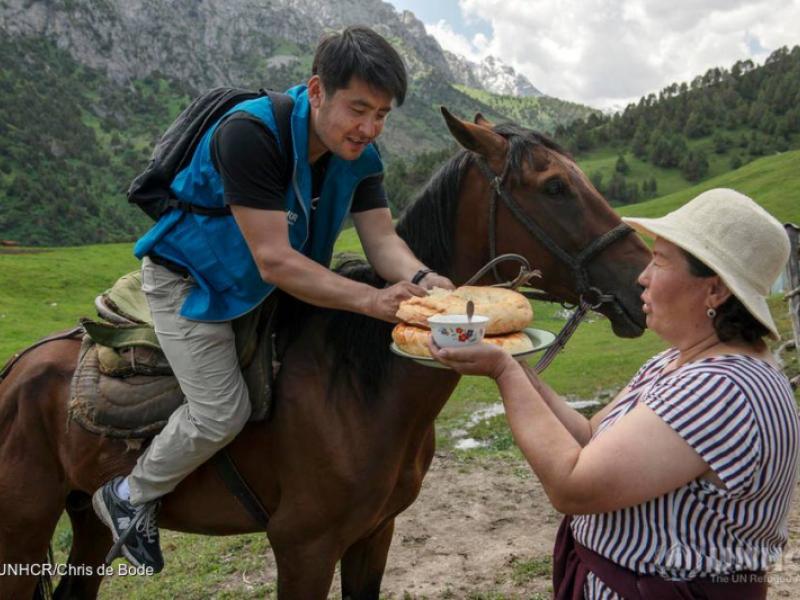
(711, 313)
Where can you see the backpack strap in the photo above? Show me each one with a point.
(205, 211)
(282, 106)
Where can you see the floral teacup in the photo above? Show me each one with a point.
(457, 330)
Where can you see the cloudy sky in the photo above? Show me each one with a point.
(606, 53)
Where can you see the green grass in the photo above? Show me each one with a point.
(48, 290)
(348, 242)
(524, 571)
(200, 567)
(772, 181)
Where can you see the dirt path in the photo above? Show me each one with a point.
(476, 528)
(484, 530)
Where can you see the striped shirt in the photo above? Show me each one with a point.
(738, 413)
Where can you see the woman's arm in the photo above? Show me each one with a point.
(581, 428)
(640, 458)
(578, 426)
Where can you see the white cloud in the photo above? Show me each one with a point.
(608, 52)
(456, 42)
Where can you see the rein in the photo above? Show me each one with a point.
(524, 277)
(590, 297)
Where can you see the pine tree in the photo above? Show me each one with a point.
(622, 166)
(639, 142)
(695, 165)
(721, 143)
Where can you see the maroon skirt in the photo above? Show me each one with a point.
(572, 562)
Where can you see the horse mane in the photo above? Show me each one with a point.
(427, 225)
(360, 344)
(521, 141)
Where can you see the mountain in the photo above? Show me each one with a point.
(206, 43)
(491, 75)
(88, 86)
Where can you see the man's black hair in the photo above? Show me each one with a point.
(360, 52)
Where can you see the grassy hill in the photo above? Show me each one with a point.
(773, 181)
(543, 113)
(600, 165)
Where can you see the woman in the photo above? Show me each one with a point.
(681, 486)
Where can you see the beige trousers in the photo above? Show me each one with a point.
(203, 358)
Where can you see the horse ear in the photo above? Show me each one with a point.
(476, 137)
(482, 121)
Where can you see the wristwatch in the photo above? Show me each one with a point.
(420, 275)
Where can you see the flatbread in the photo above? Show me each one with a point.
(414, 340)
(508, 311)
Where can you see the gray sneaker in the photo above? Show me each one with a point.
(134, 528)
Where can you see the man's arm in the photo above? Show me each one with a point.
(388, 253)
(267, 236)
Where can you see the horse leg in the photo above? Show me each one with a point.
(24, 550)
(305, 571)
(364, 562)
(90, 542)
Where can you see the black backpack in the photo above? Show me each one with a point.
(150, 190)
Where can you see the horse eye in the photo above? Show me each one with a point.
(554, 187)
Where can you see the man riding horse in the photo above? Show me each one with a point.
(201, 272)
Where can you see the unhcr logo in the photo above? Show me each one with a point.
(291, 216)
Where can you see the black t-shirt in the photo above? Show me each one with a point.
(255, 173)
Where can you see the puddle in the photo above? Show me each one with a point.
(467, 443)
(579, 404)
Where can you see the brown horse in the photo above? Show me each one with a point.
(352, 433)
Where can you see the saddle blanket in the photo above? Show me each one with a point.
(123, 386)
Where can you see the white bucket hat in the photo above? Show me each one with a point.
(728, 232)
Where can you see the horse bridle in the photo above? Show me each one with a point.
(587, 293)
(590, 297)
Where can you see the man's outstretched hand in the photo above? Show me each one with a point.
(383, 303)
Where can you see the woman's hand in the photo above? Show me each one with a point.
(475, 359)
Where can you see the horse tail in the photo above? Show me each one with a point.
(44, 587)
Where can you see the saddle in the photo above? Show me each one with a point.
(123, 386)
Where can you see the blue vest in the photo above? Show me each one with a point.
(213, 249)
